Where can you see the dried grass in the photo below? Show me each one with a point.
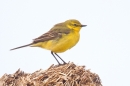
(56, 75)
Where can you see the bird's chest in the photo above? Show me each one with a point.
(72, 38)
(69, 40)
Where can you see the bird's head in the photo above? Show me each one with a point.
(74, 24)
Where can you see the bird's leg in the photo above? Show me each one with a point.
(60, 58)
(55, 57)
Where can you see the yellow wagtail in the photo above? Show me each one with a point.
(59, 38)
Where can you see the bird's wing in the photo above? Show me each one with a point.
(53, 33)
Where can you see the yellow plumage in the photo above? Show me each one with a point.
(61, 44)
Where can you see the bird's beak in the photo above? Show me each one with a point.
(83, 25)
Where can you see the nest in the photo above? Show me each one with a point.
(56, 75)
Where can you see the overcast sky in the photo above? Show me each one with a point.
(104, 46)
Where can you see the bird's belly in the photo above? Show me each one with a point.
(65, 43)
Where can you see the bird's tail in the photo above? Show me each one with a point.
(22, 46)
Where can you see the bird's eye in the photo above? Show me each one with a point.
(75, 24)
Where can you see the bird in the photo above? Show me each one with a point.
(61, 37)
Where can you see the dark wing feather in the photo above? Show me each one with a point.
(45, 37)
(53, 33)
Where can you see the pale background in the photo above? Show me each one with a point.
(104, 46)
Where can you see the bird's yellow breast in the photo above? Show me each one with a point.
(62, 44)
